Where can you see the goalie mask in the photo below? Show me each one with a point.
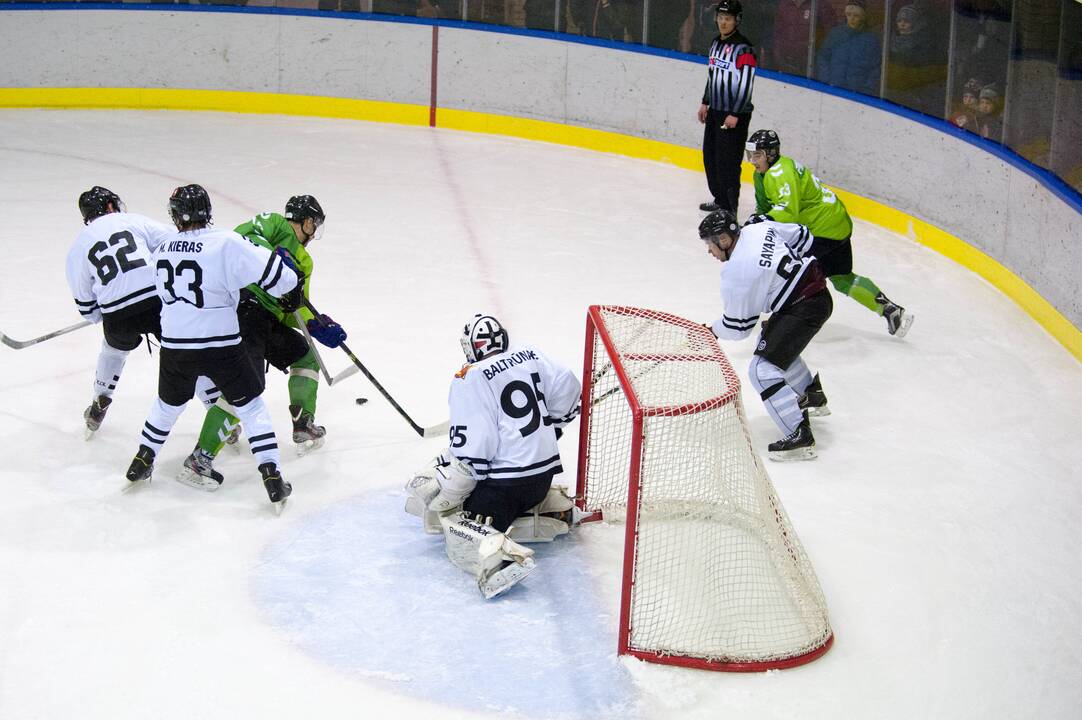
(95, 202)
(483, 336)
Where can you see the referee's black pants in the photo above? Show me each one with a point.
(723, 151)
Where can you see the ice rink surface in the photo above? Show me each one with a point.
(941, 515)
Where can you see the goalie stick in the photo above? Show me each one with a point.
(20, 344)
(427, 432)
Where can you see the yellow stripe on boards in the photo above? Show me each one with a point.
(545, 131)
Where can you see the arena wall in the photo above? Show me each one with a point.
(963, 197)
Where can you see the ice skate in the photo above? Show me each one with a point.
(797, 445)
(814, 400)
(95, 414)
(306, 434)
(898, 320)
(278, 490)
(505, 576)
(141, 468)
(198, 471)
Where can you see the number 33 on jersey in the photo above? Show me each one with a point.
(505, 410)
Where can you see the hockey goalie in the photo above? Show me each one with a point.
(492, 490)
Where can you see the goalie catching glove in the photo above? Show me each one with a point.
(439, 489)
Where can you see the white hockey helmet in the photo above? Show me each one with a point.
(483, 336)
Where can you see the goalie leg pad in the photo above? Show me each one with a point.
(537, 528)
(496, 561)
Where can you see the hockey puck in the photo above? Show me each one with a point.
(362, 401)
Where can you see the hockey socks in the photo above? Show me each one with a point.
(860, 288)
(304, 383)
(217, 426)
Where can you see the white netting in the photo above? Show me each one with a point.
(719, 574)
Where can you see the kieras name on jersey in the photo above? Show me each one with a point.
(184, 246)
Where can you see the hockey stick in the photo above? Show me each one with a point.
(323, 366)
(427, 432)
(20, 344)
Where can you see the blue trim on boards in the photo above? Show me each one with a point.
(1056, 185)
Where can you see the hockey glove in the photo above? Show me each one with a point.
(326, 331)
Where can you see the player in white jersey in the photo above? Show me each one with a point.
(762, 273)
(200, 273)
(112, 281)
(493, 485)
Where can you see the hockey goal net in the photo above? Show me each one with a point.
(714, 575)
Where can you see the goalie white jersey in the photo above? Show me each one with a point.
(200, 274)
(761, 275)
(109, 266)
(505, 410)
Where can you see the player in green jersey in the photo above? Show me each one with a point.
(786, 191)
(270, 336)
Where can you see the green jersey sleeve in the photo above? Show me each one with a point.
(271, 230)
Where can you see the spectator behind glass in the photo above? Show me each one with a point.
(613, 21)
(965, 115)
(789, 53)
(850, 57)
(989, 117)
(915, 68)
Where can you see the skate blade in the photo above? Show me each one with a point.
(234, 446)
(903, 328)
(280, 506)
(88, 434)
(807, 453)
(506, 579)
(134, 485)
(818, 412)
(197, 481)
(310, 446)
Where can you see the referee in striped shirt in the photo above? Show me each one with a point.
(726, 107)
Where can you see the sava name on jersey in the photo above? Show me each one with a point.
(505, 410)
(760, 275)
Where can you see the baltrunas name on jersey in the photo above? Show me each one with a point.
(184, 246)
(508, 362)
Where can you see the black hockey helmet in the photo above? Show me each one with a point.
(767, 141)
(95, 202)
(483, 336)
(729, 7)
(189, 205)
(301, 207)
(718, 223)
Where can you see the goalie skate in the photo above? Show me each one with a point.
(505, 577)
